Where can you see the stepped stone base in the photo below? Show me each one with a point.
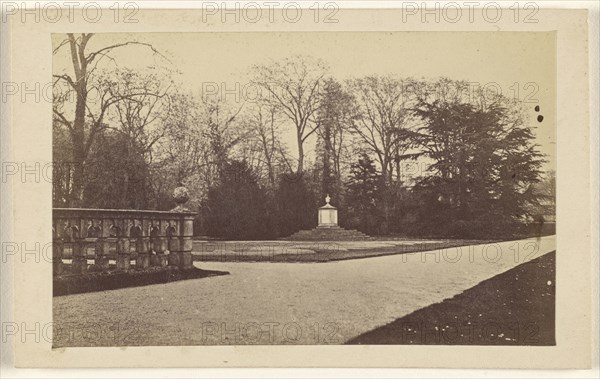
(329, 233)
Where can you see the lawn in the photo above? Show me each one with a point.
(314, 251)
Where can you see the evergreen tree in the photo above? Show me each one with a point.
(118, 176)
(296, 204)
(237, 208)
(363, 195)
(334, 117)
(484, 166)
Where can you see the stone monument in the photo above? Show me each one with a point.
(327, 215)
(327, 227)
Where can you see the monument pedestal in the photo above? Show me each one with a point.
(328, 229)
(327, 215)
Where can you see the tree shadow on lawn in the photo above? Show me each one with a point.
(516, 307)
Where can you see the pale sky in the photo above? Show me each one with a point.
(527, 59)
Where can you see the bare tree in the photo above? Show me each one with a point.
(183, 155)
(201, 136)
(138, 115)
(222, 130)
(84, 124)
(264, 125)
(383, 118)
(184, 147)
(293, 86)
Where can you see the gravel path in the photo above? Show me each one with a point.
(283, 303)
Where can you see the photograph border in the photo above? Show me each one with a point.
(31, 208)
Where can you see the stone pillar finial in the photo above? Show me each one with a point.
(181, 196)
(327, 199)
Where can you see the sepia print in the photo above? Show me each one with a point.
(304, 188)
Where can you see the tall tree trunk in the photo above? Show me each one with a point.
(79, 145)
(326, 180)
(300, 168)
(79, 151)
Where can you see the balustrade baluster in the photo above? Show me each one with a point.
(123, 255)
(173, 240)
(58, 247)
(103, 246)
(79, 259)
(142, 247)
(159, 245)
(186, 244)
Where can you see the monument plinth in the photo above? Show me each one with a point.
(327, 215)
(327, 228)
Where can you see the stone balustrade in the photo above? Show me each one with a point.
(148, 238)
